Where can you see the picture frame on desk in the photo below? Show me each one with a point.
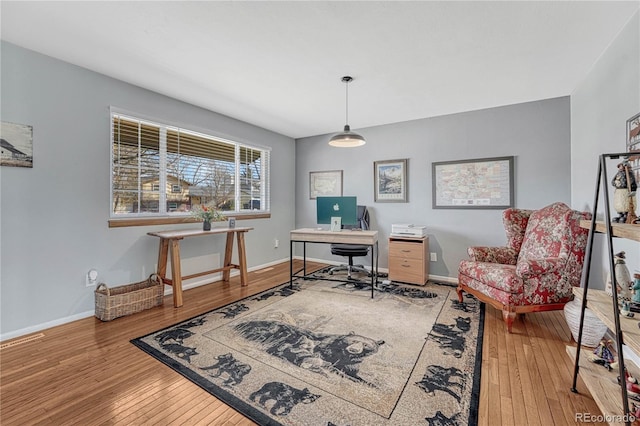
(336, 224)
(390, 181)
(325, 184)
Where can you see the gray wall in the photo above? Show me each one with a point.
(536, 133)
(53, 223)
(600, 107)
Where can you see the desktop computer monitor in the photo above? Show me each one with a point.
(344, 207)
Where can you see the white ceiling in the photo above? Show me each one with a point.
(279, 65)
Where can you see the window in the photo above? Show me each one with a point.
(159, 170)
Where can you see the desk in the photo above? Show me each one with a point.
(346, 236)
(172, 238)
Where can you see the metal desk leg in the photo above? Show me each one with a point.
(373, 275)
(304, 259)
(290, 263)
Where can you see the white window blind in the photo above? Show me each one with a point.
(165, 170)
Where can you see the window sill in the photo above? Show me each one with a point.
(136, 221)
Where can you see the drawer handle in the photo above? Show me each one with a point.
(406, 266)
(406, 251)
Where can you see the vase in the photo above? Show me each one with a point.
(206, 225)
(593, 329)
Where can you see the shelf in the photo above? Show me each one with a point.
(602, 384)
(622, 230)
(601, 304)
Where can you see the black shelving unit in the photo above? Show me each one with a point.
(602, 180)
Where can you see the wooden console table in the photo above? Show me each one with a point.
(172, 239)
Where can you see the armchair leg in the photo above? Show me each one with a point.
(508, 317)
(459, 291)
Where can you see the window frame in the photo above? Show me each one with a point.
(166, 216)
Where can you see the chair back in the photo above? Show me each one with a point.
(363, 219)
(554, 232)
(515, 224)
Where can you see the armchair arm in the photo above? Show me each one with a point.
(503, 255)
(528, 268)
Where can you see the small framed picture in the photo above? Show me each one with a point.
(390, 181)
(633, 133)
(336, 223)
(325, 184)
(232, 222)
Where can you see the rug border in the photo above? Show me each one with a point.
(232, 401)
(477, 370)
(256, 415)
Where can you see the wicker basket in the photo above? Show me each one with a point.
(112, 303)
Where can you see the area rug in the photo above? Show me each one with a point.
(326, 353)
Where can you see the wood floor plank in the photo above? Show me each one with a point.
(87, 372)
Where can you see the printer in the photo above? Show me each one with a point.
(408, 230)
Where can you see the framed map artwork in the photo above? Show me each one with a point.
(325, 184)
(485, 183)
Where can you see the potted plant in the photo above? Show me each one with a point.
(207, 213)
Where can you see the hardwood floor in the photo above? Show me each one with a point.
(87, 372)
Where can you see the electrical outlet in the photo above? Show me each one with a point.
(91, 278)
(276, 243)
(434, 256)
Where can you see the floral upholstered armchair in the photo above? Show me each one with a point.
(537, 268)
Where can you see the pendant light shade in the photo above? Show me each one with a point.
(347, 138)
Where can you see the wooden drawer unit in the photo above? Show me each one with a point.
(409, 260)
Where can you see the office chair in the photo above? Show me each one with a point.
(352, 250)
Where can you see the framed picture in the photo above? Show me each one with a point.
(484, 183)
(633, 133)
(325, 184)
(390, 181)
(17, 145)
(633, 144)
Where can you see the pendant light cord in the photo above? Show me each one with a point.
(347, 104)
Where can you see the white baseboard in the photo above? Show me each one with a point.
(186, 286)
(441, 278)
(168, 290)
(44, 326)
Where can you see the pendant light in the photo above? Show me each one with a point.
(347, 138)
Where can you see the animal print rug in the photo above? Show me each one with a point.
(326, 353)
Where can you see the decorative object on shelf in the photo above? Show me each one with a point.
(593, 329)
(625, 310)
(207, 213)
(624, 195)
(603, 354)
(636, 287)
(390, 181)
(622, 279)
(347, 138)
(632, 382)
